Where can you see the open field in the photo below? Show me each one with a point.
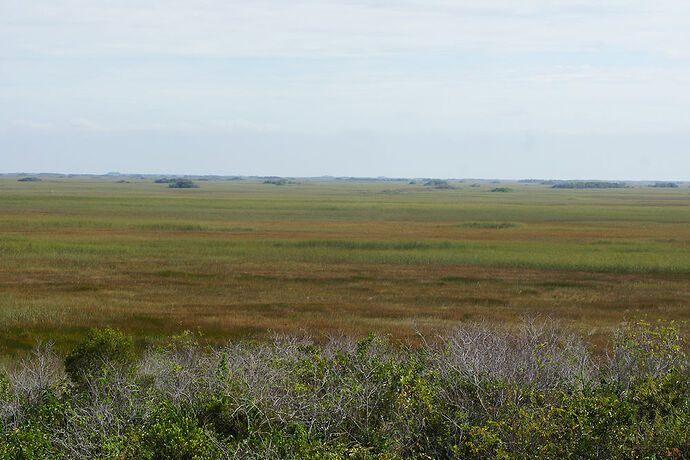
(240, 258)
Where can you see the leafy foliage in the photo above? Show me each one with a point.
(99, 349)
(478, 392)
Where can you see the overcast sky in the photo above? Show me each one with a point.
(405, 88)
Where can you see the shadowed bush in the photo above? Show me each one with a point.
(99, 349)
(182, 183)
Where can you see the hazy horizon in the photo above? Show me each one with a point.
(330, 177)
(361, 88)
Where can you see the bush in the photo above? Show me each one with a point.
(172, 434)
(29, 179)
(664, 185)
(438, 184)
(477, 392)
(183, 183)
(642, 349)
(99, 349)
(27, 443)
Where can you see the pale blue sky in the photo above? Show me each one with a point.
(499, 89)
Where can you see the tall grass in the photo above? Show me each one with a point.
(82, 252)
(615, 256)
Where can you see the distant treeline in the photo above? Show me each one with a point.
(589, 184)
(664, 185)
(279, 182)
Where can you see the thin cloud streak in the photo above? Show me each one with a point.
(79, 28)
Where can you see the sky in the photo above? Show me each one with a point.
(585, 89)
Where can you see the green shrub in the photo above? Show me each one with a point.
(34, 439)
(642, 349)
(276, 181)
(437, 184)
(100, 348)
(173, 435)
(5, 394)
(227, 420)
(182, 183)
(481, 393)
(26, 443)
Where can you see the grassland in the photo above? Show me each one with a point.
(241, 258)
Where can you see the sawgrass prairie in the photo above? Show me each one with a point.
(241, 258)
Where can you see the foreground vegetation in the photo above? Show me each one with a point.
(478, 392)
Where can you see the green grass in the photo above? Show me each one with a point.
(618, 256)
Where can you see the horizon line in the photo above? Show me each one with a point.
(328, 176)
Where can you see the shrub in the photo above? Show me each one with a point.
(172, 434)
(99, 349)
(26, 443)
(29, 179)
(183, 183)
(501, 189)
(437, 183)
(642, 349)
(476, 392)
(664, 185)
